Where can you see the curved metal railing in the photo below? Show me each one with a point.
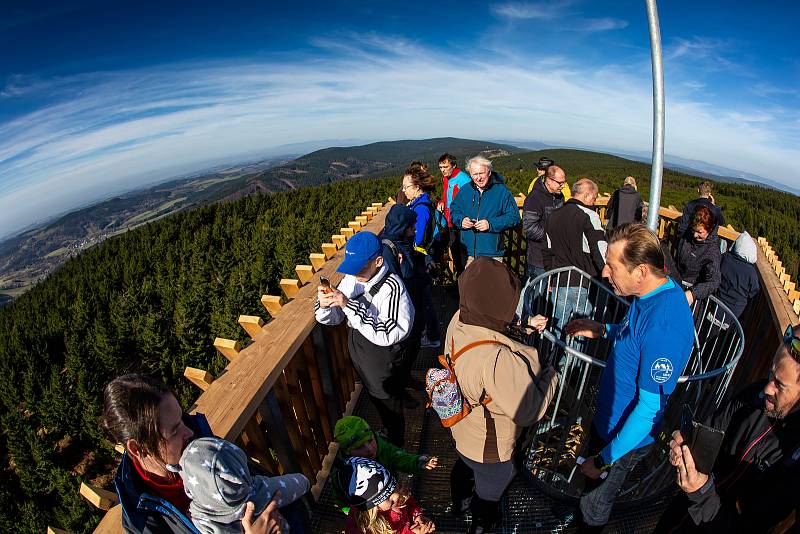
(553, 445)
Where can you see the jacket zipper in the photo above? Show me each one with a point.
(475, 232)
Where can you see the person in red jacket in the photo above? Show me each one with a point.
(453, 179)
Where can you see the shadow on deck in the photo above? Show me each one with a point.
(526, 509)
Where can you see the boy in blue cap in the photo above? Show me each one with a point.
(378, 310)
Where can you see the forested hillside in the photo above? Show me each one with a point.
(762, 211)
(150, 300)
(153, 300)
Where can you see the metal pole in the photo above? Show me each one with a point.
(658, 115)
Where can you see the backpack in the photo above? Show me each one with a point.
(437, 225)
(444, 394)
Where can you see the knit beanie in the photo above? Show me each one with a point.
(365, 482)
(352, 432)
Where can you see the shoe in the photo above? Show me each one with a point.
(460, 509)
(426, 343)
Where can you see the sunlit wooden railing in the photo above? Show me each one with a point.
(280, 396)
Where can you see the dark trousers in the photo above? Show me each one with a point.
(391, 413)
(479, 487)
(599, 495)
(458, 252)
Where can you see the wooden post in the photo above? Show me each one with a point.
(199, 377)
(100, 498)
(252, 324)
(304, 273)
(329, 249)
(290, 287)
(355, 225)
(272, 303)
(230, 348)
(361, 219)
(317, 260)
(339, 240)
(347, 232)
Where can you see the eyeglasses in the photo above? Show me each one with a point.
(560, 183)
(793, 342)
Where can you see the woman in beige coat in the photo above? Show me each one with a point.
(507, 372)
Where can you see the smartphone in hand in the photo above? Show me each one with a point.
(324, 282)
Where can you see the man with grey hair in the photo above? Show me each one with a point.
(574, 236)
(483, 210)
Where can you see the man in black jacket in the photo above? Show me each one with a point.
(706, 199)
(626, 205)
(753, 485)
(575, 237)
(544, 199)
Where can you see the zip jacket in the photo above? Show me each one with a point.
(452, 185)
(538, 206)
(688, 211)
(698, 263)
(496, 204)
(575, 236)
(625, 206)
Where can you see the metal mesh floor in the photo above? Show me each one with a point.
(526, 509)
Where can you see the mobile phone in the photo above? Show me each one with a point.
(324, 282)
(704, 442)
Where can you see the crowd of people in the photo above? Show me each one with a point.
(176, 477)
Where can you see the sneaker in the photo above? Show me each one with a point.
(426, 343)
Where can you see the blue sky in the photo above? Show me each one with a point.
(102, 97)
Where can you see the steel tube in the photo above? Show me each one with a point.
(657, 168)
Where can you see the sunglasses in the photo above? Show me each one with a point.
(792, 341)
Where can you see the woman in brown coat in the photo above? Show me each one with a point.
(508, 372)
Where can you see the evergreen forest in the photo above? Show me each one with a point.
(153, 300)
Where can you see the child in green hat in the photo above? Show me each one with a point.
(356, 438)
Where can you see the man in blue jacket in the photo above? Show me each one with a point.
(650, 349)
(484, 209)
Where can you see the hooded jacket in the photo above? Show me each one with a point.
(452, 186)
(538, 206)
(754, 481)
(496, 204)
(739, 279)
(698, 263)
(625, 206)
(508, 372)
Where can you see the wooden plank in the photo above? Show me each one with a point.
(355, 225)
(199, 377)
(329, 249)
(54, 530)
(779, 306)
(314, 379)
(363, 220)
(237, 393)
(318, 259)
(272, 303)
(120, 448)
(793, 295)
(252, 324)
(339, 240)
(290, 287)
(256, 443)
(304, 273)
(367, 214)
(230, 348)
(796, 307)
(292, 425)
(788, 286)
(299, 397)
(100, 498)
(785, 277)
(347, 232)
(111, 522)
(377, 205)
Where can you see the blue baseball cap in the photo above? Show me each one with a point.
(361, 248)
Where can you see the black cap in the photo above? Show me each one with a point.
(544, 162)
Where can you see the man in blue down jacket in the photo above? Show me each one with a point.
(483, 209)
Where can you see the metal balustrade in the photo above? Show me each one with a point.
(553, 445)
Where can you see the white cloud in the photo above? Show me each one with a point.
(122, 129)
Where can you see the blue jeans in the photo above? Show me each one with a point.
(569, 303)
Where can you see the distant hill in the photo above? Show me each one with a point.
(373, 160)
(27, 258)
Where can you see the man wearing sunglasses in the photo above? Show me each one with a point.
(753, 485)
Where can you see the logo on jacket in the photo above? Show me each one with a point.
(661, 370)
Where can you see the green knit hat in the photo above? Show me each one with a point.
(352, 432)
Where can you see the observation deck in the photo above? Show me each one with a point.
(281, 394)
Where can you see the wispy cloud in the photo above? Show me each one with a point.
(110, 131)
(556, 12)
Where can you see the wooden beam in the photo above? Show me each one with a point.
(228, 347)
(785, 277)
(111, 522)
(788, 286)
(317, 260)
(304, 273)
(796, 307)
(252, 324)
(378, 205)
(272, 303)
(347, 232)
(119, 447)
(290, 287)
(329, 249)
(199, 377)
(99, 497)
(793, 295)
(373, 210)
(355, 225)
(363, 220)
(339, 240)
(54, 530)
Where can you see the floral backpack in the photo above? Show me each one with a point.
(444, 394)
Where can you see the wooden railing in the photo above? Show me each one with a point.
(280, 396)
